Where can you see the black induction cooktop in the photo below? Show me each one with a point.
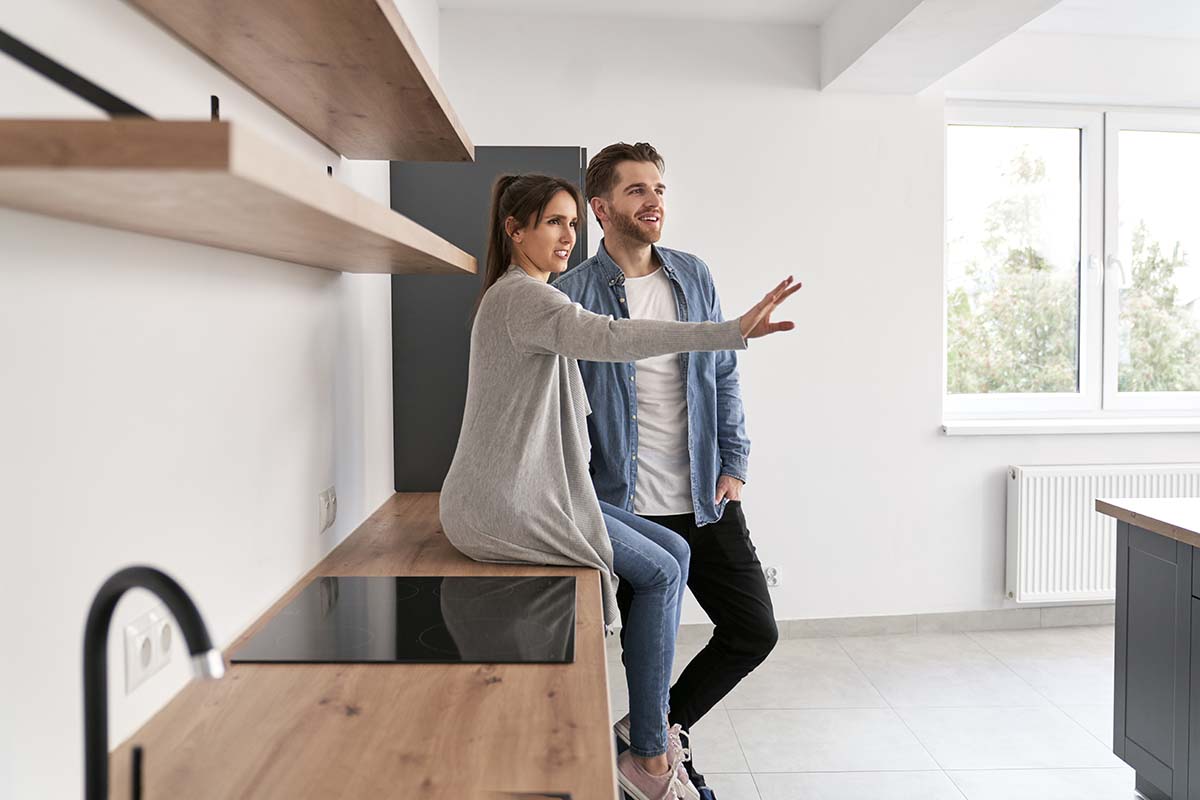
(440, 620)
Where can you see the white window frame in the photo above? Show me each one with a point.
(1143, 403)
(1091, 243)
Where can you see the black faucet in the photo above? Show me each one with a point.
(206, 661)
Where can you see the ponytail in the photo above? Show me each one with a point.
(524, 198)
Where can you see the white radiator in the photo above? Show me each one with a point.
(1060, 549)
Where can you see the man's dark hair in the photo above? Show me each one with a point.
(602, 169)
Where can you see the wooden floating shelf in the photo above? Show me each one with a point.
(347, 71)
(210, 183)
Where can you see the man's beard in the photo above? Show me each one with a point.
(628, 227)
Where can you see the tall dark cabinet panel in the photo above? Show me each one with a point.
(1153, 676)
(431, 313)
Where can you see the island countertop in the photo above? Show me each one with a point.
(1177, 518)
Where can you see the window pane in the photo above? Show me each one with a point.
(1012, 277)
(1158, 201)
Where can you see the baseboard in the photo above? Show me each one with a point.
(954, 622)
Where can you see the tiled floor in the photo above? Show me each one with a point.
(999, 715)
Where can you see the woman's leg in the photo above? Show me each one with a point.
(656, 574)
(665, 538)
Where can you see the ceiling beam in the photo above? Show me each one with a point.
(905, 46)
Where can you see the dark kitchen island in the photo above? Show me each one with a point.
(1156, 702)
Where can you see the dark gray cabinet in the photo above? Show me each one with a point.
(1153, 719)
(431, 314)
(1194, 685)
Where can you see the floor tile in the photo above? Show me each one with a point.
(806, 673)
(732, 786)
(1069, 666)
(715, 745)
(1068, 681)
(938, 670)
(1097, 720)
(1006, 738)
(856, 786)
(1048, 643)
(844, 739)
(813, 723)
(1060, 784)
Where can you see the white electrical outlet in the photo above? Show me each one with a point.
(149, 643)
(326, 509)
(772, 576)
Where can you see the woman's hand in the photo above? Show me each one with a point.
(757, 321)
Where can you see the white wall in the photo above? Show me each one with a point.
(854, 494)
(165, 403)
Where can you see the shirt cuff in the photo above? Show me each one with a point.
(735, 468)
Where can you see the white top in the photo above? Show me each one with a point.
(664, 484)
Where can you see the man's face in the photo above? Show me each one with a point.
(635, 207)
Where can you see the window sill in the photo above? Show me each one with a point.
(1034, 427)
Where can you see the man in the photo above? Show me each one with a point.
(668, 434)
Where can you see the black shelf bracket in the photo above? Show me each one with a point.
(72, 81)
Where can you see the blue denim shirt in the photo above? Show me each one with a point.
(717, 443)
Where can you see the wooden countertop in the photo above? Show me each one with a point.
(391, 730)
(1176, 517)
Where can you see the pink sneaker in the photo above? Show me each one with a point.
(641, 785)
(676, 754)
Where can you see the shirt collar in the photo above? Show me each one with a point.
(613, 273)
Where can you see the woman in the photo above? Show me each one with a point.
(519, 490)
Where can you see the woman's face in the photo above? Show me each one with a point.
(547, 245)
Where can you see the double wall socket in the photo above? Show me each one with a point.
(149, 643)
(326, 509)
(772, 576)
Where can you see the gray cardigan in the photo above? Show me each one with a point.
(519, 489)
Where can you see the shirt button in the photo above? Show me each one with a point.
(622, 299)
(635, 456)
(635, 416)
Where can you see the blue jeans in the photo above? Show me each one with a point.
(654, 562)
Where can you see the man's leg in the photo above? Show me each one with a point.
(727, 580)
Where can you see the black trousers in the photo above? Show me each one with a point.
(726, 578)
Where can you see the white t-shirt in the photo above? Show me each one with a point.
(664, 484)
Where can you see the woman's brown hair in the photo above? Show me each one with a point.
(524, 198)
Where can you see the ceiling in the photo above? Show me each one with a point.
(806, 12)
(1174, 19)
(1169, 19)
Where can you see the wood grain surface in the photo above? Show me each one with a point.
(390, 730)
(347, 71)
(211, 183)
